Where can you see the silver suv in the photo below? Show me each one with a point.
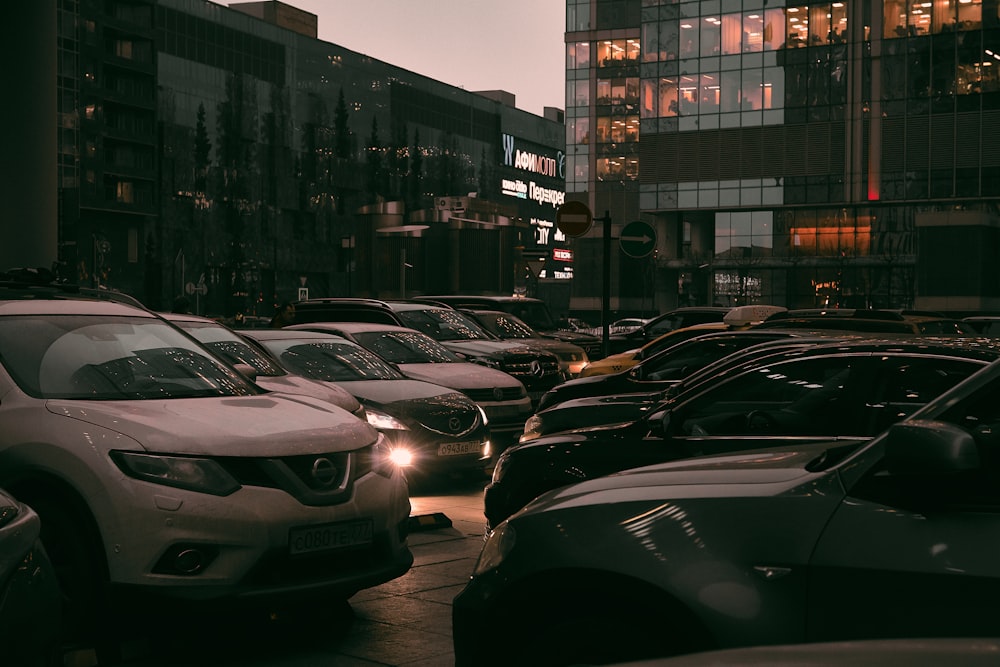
(162, 474)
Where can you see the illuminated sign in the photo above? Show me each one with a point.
(546, 230)
(535, 163)
(531, 190)
(562, 255)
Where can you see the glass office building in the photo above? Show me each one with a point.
(227, 154)
(799, 154)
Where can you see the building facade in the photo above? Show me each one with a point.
(798, 154)
(227, 154)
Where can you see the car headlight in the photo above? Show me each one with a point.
(498, 546)
(482, 415)
(383, 421)
(193, 474)
(532, 428)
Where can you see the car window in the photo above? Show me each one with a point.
(405, 347)
(692, 356)
(945, 327)
(505, 326)
(799, 397)
(231, 347)
(904, 384)
(333, 361)
(443, 324)
(662, 326)
(89, 357)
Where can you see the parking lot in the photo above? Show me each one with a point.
(405, 622)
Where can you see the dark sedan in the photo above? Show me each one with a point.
(29, 593)
(651, 376)
(849, 391)
(432, 429)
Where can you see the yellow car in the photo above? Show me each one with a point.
(740, 317)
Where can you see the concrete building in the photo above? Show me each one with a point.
(228, 154)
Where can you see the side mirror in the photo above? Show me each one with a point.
(661, 424)
(922, 447)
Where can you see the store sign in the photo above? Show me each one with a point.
(552, 165)
(562, 255)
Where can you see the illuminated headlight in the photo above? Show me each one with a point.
(384, 421)
(401, 457)
(193, 474)
(498, 546)
(532, 428)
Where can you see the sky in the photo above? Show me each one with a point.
(512, 45)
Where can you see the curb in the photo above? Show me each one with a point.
(428, 522)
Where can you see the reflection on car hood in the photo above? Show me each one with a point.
(461, 375)
(496, 348)
(386, 392)
(269, 425)
(759, 473)
(294, 384)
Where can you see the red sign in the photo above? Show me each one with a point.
(561, 255)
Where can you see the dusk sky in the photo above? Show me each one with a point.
(512, 45)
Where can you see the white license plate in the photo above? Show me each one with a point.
(331, 536)
(458, 448)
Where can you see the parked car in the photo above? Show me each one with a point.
(240, 353)
(536, 369)
(736, 319)
(893, 538)
(653, 375)
(849, 391)
(534, 312)
(162, 476)
(920, 323)
(503, 325)
(29, 593)
(590, 411)
(430, 429)
(986, 325)
(678, 318)
(418, 356)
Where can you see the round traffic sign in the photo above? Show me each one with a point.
(638, 239)
(574, 218)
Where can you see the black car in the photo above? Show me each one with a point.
(431, 429)
(590, 411)
(30, 597)
(849, 391)
(654, 374)
(678, 318)
(536, 369)
(503, 325)
(872, 321)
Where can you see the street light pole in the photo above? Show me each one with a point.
(606, 287)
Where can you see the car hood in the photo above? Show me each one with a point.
(268, 425)
(754, 473)
(461, 375)
(300, 386)
(387, 392)
(572, 336)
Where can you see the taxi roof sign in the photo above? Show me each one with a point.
(574, 218)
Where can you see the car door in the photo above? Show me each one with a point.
(915, 556)
(802, 399)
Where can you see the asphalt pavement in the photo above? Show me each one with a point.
(403, 623)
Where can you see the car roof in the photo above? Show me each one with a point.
(290, 334)
(974, 347)
(349, 327)
(71, 306)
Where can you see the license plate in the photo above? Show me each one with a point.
(329, 537)
(458, 448)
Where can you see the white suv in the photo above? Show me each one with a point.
(160, 472)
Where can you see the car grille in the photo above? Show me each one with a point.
(313, 479)
(494, 394)
(533, 370)
(451, 415)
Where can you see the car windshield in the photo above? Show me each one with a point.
(332, 361)
(97, 358)
(505, 326)
(534, 313)
(443, 324)
(231, 347)
(406, 347)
